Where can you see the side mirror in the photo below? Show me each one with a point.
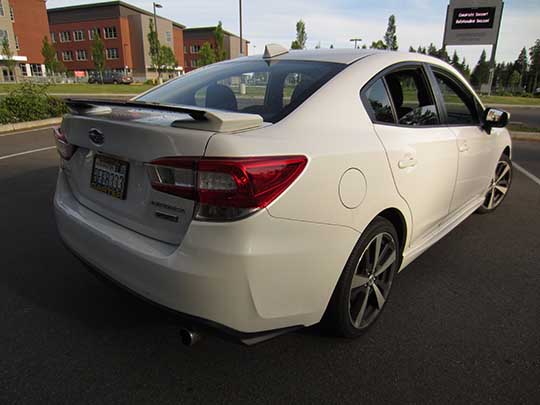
(494, 118)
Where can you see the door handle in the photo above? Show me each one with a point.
(463, 147)
(408, 162)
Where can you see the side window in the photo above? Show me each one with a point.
(412, 98)
(379, 102)
(459, 105)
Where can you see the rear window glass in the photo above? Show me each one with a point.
(271, 89)
(380, 103)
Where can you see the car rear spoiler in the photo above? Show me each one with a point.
(203, 119)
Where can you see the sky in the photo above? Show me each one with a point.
(334, 22)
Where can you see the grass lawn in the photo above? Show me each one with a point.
(87, 88)
(510, 100)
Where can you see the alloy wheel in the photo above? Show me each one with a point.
(499, 185)
(372, 280)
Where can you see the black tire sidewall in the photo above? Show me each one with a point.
(484, 210)
(337, 316)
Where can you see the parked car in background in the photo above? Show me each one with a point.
(260, 209)
(111, 78)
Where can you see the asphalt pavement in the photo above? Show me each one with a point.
(462, 324)
(527, 116)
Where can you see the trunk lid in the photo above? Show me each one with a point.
(136, 135)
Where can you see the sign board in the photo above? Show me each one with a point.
(473, 22)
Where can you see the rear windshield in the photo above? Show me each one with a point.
(271, 89)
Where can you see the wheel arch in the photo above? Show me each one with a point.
(507, 151)
(398, 221)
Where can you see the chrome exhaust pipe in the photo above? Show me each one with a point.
(189, 336)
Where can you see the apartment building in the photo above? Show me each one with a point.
(24, 23)
(124, 30)
(195, 38)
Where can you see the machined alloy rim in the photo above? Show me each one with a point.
(372, 280)
(499, 185)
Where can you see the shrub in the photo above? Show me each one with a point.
(30, 102)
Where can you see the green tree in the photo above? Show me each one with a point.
(432, 50)
(514, 79)
(411, 49)
(167, 58)
(301, 36)
(480, 73)
(155, 47)
(521, 64)
(49, 56)
(8, 57)
(378, 45)
(98, 55)
(331, 46)
(455, 60)
(207, 56)
(534, 53)
(220, 48)
(390, 37)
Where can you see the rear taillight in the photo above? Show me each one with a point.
(64, 148)
(226, 188)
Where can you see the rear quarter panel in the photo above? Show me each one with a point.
(333, 129)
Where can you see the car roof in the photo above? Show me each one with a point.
(344, 56)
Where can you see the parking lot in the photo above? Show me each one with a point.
(462, 324)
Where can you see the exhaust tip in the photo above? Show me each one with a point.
(189, 337)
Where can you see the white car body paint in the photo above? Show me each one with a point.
(278, 267)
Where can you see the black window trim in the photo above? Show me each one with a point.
(473, 99)
(396, 68)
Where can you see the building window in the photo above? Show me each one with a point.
(11, 14)
(67, 56)
(1, 9)
(193, 63)
(3, 34)
(194, 48)
(168, 36)
(17, 43)
(53, 37)
(78, 35)
(112, 53)
(81, 54)
(64, 36)
(185, 49)
(22, 66)
(94, 33)
(35, 68)
(109, 32)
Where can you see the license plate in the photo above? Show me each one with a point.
(109, 175)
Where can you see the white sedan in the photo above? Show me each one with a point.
(272, 192)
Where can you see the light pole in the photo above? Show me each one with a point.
(157, 5)
(241, 44)
(355, 40)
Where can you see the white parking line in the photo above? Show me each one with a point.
(526, 173)
(27, 152)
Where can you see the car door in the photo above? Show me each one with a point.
(475, 146)
(421, 151)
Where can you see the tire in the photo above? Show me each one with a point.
(498, 187)
(353, 308)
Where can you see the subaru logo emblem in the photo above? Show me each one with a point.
(96, 136)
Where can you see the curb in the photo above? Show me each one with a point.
(29, 125)
(525, 136)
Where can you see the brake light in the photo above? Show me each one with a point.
(226, 188)
(64, 148)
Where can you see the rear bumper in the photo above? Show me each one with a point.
(250, 276)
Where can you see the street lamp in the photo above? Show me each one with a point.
(241, 44)
(157, 5)
(355, 40)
